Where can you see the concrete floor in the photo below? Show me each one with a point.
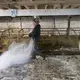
(53, 68)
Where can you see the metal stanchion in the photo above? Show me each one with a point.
(79, 42)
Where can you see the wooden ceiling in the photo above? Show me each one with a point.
(39, 4)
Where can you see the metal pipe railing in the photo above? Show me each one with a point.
(44, 31)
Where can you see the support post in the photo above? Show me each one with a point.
(79, 42)
(54, 26)
(68, 28)
(21, 22)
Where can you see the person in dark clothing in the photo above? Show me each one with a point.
(35, 34)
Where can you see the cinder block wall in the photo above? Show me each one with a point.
(75, 22)
(46, 22)
(61, 22)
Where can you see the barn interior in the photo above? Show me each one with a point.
(59, 43)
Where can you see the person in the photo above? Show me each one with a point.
(35, 35)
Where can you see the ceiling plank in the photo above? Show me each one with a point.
(46, 6)
(26, 6)
(36, 7)
(57, 6)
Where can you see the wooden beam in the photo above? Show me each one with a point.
(4, 7)
(65, 6)
(75, 6)
(23, 7)
(69, 6)
(46, 6)
(36, 7)
(13, 6)
(26, 7)
(42, 6)
(28, 2)
(42, 12)
(50, 7)
(17, 6)
(57, 6)
(31, 7)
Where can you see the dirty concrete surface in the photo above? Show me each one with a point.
(61, 67)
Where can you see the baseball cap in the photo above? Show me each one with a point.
(36, 20)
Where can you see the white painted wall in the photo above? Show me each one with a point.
(27, 22)
(15, 22)
(61, 22)
(46, 22)
(75, 22)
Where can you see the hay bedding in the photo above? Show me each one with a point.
(53, 68)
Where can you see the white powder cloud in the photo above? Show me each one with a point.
(16, 54)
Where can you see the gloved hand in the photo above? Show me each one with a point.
(30, 34)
